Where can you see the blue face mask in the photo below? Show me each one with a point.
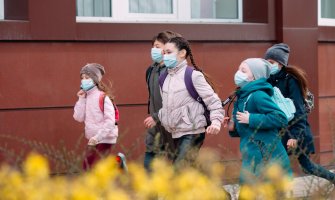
(156, 55)
(241, 79)
(274, 68)
(87, 84)
(170, 60)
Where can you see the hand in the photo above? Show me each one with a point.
(149, 122)
(292, 143)
(225, 122)
(92, 142)
(243, 118)
(213, 129)
(81, 93)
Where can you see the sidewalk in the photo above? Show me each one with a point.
(303, 187)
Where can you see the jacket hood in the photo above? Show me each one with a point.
(260, 84)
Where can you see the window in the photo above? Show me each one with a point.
(94, 8)
(326, 12)
(167, 11)
(214, 9)
(2, 12)
(151, 6)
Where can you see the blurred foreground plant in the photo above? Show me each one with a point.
(106, 181)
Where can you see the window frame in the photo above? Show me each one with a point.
(324, 21)
(2, 10)
(180, 15)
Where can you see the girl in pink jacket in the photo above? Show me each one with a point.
(97, 112)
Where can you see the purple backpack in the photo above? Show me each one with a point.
(190, 88)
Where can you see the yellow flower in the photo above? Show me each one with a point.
(161, 177)
(266, 190)
(140, 180)
(274, 173)
(106, 171)
(36, 166)
(247, 192)
(81, 192)
(117, 195)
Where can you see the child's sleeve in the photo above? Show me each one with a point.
(210, 98)
(80, 109)
(108, 129)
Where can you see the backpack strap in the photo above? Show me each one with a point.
(102, 107)
(189, 84)
(193, 92)
(246, 101)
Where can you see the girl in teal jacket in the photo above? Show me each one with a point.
(257, 121)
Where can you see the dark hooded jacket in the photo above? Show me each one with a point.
(298, 128)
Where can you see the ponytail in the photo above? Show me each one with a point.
(301, 76)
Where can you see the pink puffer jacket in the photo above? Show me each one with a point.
(98, 125)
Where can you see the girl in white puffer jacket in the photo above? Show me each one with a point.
(181, 114)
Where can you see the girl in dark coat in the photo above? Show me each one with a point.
(292, 82)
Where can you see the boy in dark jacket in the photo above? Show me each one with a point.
(158, 140)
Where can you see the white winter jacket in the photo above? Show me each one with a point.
(183, 115)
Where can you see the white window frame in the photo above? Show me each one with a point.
(324, 21)
(2, 10)
(121, 14)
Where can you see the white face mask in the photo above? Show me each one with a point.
(87, 84)
(241, 79)
(170, 60)
(156, 55)
(274, 68)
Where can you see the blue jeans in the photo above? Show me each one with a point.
(309, 167)
(158, 142)
(187, 148)
(148, 158)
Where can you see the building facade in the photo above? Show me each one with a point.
(44, 44)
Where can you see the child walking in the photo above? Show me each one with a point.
(157, 140)
(182, 115)
(99, 117)
(257, 121)
(292, 82)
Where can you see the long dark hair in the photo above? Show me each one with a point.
(301, 76)
(181, 43)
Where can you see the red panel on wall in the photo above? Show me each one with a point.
(47, 74)
(326, 69)
(327, 123)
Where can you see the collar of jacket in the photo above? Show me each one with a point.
(260, 84)
(95, 88)
(178, 67)
(280, 75)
